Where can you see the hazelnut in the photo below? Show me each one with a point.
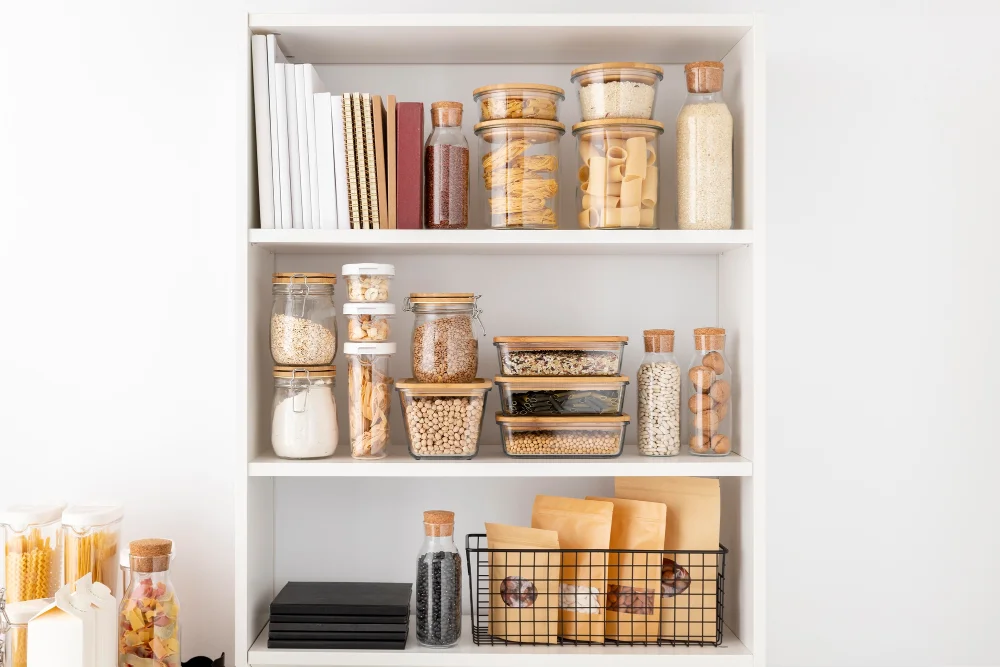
(700, 444)
(723, 410)
(714, 361)
(720, 444)
(706, 421)
(699, 403)
(720, 391)
(702, 378)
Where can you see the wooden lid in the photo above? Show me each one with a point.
(439, 523)
(656, 69)
(442, 297)
(559, 382)
(704, 63)
(658, 340)
(600, 72)
(620, 127)
(439, 516)
(304, 278)
(150, 555)
(434, 388)
(709, 338)
(532, 129)
(513, 87)
(446, 105)
(571, 421)
(303, 372)
(560, 339)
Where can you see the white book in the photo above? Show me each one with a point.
(313, 85)
(294, 166)
(340, 161)
(326, 179)
(262, 123)
(303, 127)
(281, 140)
(281, 197)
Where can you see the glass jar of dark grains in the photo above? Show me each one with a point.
(439, 583)
(446, 169)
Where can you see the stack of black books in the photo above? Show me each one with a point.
(330, 615)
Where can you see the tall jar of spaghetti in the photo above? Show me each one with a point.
(32, 543)
(90, 544)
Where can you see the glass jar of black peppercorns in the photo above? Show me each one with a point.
(439, 583)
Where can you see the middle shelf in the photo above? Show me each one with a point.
(491, 462)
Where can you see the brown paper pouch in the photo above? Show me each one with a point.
(689, 586)
(581, 524)
(524, 587)
(633, 603)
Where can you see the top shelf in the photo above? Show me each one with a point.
(502, 38)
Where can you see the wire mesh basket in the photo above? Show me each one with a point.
(610, 596)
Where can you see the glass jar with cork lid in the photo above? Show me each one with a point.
(659, 380)
(149, 623)
(704, 151)
(709, 395)
(439, 583)
(446, 169)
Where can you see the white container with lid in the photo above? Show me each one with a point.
(15, 642)
(368, 322)
(368, 282)
(32, 551)
(369, 389)
(91, 539)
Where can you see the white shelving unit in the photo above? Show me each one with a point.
(344, 519)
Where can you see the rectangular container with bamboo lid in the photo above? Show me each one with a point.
(555, 396)
(563, 437)
(444, 419)
(555, 356)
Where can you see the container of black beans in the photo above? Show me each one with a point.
(439, 583)
(556, 396)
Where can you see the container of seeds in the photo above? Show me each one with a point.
(552, 356)
(554, 396)
(617, 90)
(563, 437)
(502, 101)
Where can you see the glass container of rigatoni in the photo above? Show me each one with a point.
(520, 172)
(618, 173)
(554, 396)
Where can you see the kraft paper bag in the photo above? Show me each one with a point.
(524, 587)
(581, 524)
(634, 578)
(689, 585)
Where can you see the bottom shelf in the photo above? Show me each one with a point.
(732, 653)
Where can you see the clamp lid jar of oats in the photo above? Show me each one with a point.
(518, 100)
(303, 319)
(618, 173)
(520, 172)
(617, 90)
(709, 392)
(304, 412)
(368, 392)
(444, 346)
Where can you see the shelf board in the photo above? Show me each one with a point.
(491, 462)
(732, 653)
(502, 38)
(503, 242)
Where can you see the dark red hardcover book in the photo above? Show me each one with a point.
(409, 164)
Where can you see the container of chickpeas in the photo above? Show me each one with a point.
(618, 173)
(520, 172)
(518, 100)
(563, 437)
(443, 419)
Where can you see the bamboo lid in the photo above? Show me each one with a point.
(304, 372)
(658, 340)
(435, 388)
(560, 339)
(619, 128)
(558, 382)
(541, 87)
(600, 72)
(709, 338)
(150, 555)
(442, 297)
(570, 421)
(533, 129)
(304, 278)
(439, 523)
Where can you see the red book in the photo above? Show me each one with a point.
(409, 164)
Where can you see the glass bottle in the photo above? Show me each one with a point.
(704, 152)
(439, 583)
(303, 319)
(710, 394)
(659, 380)
(149, 613)
(446, 169)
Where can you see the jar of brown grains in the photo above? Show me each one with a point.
(445, 348)
(446, 169)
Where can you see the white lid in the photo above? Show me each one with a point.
(20, 613)
(20, 517)
(85, 516)
(369, 348)
(369, 308)
(368, 269)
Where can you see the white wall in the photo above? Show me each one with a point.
(882, 145)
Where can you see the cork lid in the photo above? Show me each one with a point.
(304, 278)
(150, 555)
(446, 114)
(709, 338)
(704, 76)
(658, 340)
(439, 523)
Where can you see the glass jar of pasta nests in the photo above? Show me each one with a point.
(618, 173)
(520, 172)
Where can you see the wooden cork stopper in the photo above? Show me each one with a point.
(150, 555)
(447, 114)
(439, 523)
(709, 338)
(658, 340)
(704, 76)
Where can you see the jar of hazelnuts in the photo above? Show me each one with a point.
(709, 392)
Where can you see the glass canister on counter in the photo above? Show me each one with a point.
(619, 173)
(303, 319)
(659, 380)
(15, 640)
(439, 583)
(149, 627)
(710, 393)
(503, 101)
(444, 346)
(368, 393)
(520, 170)
(704, 151)
(91, 543)
(446, 170)
(617, 90)
(33, 550)
(304, 412)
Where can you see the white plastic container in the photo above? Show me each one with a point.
(368, 282)
(91, 536)
(368, 397)
(368, 322)
(32, 551)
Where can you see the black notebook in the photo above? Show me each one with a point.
(339, 636)
(337, 627)
(357, 645)
(342, 598)
(332, 620)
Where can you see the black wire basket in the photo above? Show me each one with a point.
(616, 597)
